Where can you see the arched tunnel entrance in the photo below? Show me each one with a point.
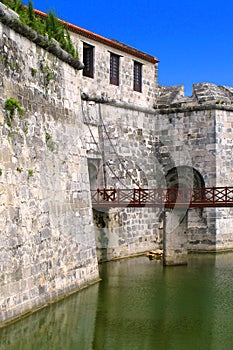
(176, 220)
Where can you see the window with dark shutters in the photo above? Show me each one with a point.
(114, 69)
(137, 80)
(88, 60)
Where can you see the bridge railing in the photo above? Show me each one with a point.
(168, 197)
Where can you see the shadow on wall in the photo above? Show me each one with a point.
(196, 218)
(101, 223)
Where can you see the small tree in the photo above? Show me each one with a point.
(54, 28)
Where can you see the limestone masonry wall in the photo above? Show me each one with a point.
(126, 137)
(140, 149)
(47, 245)
(68, 134)
(224, 175)
(100, 86)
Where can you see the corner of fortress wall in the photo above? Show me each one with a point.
(47, 245)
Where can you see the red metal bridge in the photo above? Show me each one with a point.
(163, 197)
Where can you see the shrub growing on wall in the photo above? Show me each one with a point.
(11, 105)
(49, 26)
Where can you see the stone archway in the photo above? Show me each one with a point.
(176, 220)
(184, 176)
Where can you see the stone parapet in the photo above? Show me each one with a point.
(203, 94)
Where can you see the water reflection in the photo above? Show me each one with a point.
(148, 306)
(67, 325)
(139, 305)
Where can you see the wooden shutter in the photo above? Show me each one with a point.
(88, 60)
(137, 81)
(114, 69)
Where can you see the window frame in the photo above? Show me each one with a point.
(137, 76)
(88, 60)
(114, 69)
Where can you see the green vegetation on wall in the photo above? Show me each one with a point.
(30, 173)
(50, 26)
(49, 142)
(11, 105)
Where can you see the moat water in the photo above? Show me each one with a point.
(139, 305)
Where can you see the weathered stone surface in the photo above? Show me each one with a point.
(127, 140)
(203, 93)
(140, 149)
(99, 89)
(175, 235)
(45, 201)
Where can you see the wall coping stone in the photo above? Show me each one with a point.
(184, 109)
(165, 110)
(112, 102)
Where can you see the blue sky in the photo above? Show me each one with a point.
(193, 40)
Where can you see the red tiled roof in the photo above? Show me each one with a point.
(112, 43)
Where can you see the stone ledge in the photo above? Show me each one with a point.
(183, 109)
(115, 103)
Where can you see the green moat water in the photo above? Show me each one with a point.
(139, 305)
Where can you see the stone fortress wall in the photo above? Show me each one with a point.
(47, 245)
(79, 133)
(141, 148)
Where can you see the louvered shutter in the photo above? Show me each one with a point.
(114, 69)
(88, 60)
(137, 82)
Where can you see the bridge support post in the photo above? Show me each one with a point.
(175, 237)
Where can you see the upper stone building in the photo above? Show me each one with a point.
(113, 70)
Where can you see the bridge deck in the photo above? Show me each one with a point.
(163, 197)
